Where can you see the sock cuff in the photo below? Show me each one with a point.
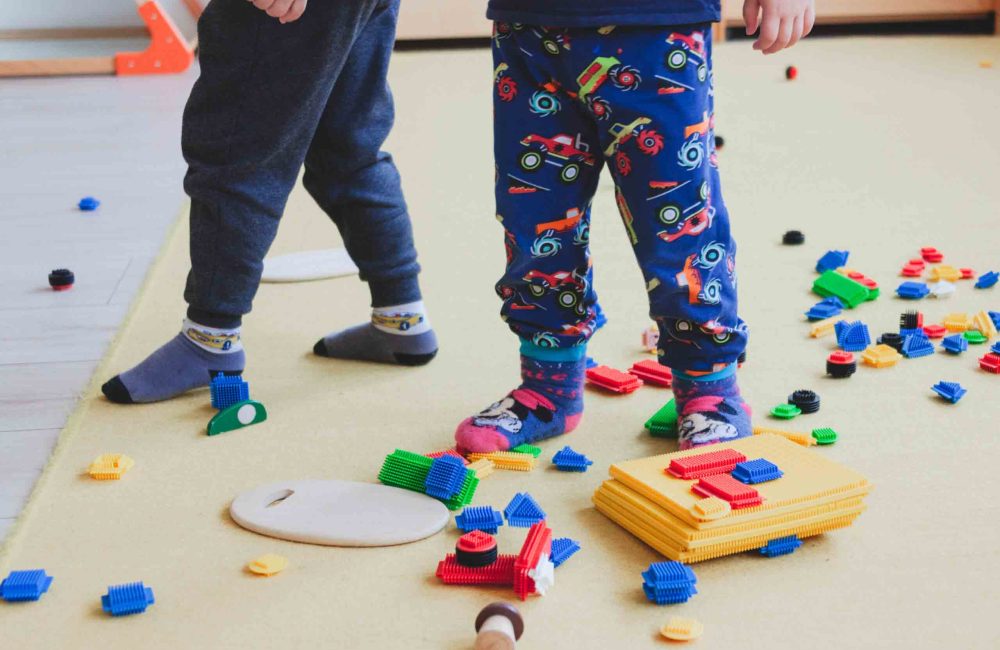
(537, 352)
(212, 339)
(407, 319)
(728, 371)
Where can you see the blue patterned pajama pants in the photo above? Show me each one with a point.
(639, 99)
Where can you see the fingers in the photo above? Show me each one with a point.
(294, 12)
(796, 31)
(263, 5)
(751, 15)
(784, 35)
(769, 27)
(808, 21)
(278, 8)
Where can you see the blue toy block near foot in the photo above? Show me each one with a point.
(567, 460)
(445, 477)
(832, 260)
(227, 390)
(955, 344)
(482, 518)
(563, 549)
(913, 290)
(20, 586)
(949, 390)
(781, 546)
(987, 280)
(917, 345)
(130, 598)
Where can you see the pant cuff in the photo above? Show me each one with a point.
(214, 319)
(397, 291)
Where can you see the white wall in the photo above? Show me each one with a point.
(57, 14)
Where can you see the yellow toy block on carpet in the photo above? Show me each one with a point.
(814, 495)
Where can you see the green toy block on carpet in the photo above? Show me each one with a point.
(850, 292)
(663, 423)
(237, 416)
(408, 470)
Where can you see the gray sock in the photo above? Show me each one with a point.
(175, 368)
(365, 342)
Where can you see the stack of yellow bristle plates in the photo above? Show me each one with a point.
(814, 495)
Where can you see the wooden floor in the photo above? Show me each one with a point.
(117, 139)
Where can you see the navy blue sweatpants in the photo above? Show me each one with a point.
(639, 99)
(270, 98)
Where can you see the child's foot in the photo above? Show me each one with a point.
(187, 361)
(548, 403)
(397, 334)
(710, 411)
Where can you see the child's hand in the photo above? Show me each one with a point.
(285, 11)
(782, 24)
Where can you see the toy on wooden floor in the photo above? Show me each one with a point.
(88, 204)
(931, 254)
(955, 344)
(975, 337)
(482, 518)
(815, 495)
(873, 289)
(911, 320)
(996, 348)
(967, 273)
(944, 272)
(720, 142)
(987, 280)
(482, 467)
(957, 322)
(893, 339)
(934, 331)
(832, 260)
(227, 390)
(785, 411)
(678, 628)
(852, 336)
(916, 345)
(523, 511)
(982, 322)
(476, 549)
(651, 372)
(806, 400)
(509, 460)
(841, 364)
(668, 583)
(498, 627)
(663, 423)
(781, 546)
(613, 380)
(22, 586)
(268, 565)
(526, 449)
(942, 289)
(881, 356)
(823, 327)
(591, 363)
(990, 363)
(338, 513)
(949, 391)
(61, 279)
(793, 238)
(563, 549)
(912, 290)
(567, 460)
(758, 470)
(445, 478)
(912, 271)
(110, 467)
(237, 416)
(804, 439)
(448, 452)
(650, 340)
(408, 470)
(791, 73)
(126, 599)
(500, 573)
(824, 436)
(826, 308)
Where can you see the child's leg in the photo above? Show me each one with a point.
(358, 186)
(547, 165)
(660, 147)
(247, 125)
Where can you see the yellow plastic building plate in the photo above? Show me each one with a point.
(482, 467)
(679, 628)
(710, 509)
(799, 438)
(268, 565)
(110, 467)
(957, 322)
(981, 321)
(881, 356)
(944, 272)
(508, 460)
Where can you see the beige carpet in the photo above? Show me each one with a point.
(881, 146)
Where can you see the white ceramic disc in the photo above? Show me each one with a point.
(339, 513)
(308, 265)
